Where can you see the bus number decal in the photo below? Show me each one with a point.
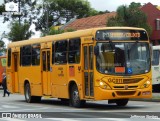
(115, 80)
(61, 71)
(79, 68)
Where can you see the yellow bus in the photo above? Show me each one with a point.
(109, 63)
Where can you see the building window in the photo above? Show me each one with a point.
(157, 24)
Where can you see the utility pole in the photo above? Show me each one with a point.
(19, 12)
(46, 12)
(47, 19)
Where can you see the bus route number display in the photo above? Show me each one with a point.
(121, 35)
(102, 35)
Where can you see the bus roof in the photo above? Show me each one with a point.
(66, 35)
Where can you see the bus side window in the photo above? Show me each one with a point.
(26, 55)
(9, 57)
(155, 60)
(61, 52)
(74, 51)
(53, 53)
(36, 54)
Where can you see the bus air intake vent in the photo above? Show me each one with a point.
(122, 87)
(125, 93)
(131, 81)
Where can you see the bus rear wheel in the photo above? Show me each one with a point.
(27, 92)
(74, 98)
(28, 97)
(121, 102)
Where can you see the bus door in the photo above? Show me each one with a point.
(88, 70)
(46, 79)
(15, 72)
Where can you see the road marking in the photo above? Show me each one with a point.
(9, 106)
(80, 119)
(62, 119)
(114, 119)
(23, 104)
(12, 119)
(22, 110)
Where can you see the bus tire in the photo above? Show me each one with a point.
(121, 102)
(74, 97)
(27, 92)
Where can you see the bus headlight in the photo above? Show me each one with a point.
(104, 85)
(146, 84)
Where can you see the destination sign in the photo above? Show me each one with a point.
(121, 35)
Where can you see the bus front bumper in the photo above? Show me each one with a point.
(102, 94)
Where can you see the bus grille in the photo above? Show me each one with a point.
(122, 87)
(131, 81)
(126, 93)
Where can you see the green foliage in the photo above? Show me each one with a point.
(2, 47)
(19, 32)
(56, 12)
(29, 8)
(2, 9)
(130, 16)
(70, 30)
(54, 31)
(30, 13)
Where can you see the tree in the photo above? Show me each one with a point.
(2, 43)
(2, 9)
(28, 8)
(130, 16)
(19, 31)
(2, 47)
(54, 31)
(56, 12)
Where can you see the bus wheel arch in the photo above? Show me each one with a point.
(27, 92)
(75, 100)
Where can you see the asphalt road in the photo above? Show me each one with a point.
(54, 109)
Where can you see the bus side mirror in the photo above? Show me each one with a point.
(96, 50)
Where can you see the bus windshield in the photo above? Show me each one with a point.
(123, 58)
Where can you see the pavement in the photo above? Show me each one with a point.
(155, 98)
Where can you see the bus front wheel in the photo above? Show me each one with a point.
(75, 99)
(121, 102)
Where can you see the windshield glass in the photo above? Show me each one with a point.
(123, 58)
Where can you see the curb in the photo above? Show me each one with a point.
(147, 100)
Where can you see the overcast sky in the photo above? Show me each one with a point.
(112, 5)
